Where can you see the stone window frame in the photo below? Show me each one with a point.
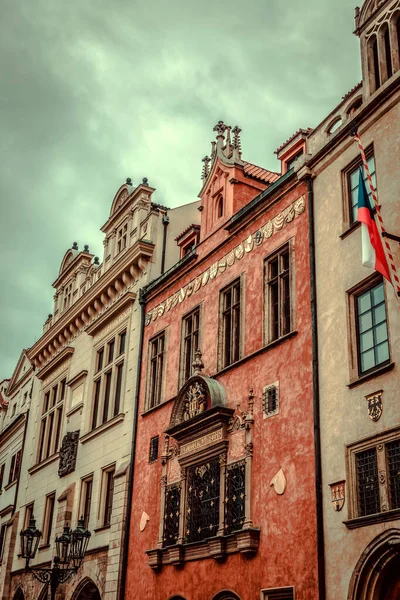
(107, 488)
(48, 518)
(116, 368)
(15, 467)
(149, 405)
(349, 169)
(198, 308)
(288, 244)
(220, 338)
(50, 435)
(379, 442)
(355, 373)
(83, 498)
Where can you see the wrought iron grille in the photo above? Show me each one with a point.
(171, 514)
(235, 496)
(367, 482)
(202, 512)
(270, 400)
(393, 458)
(153, 452)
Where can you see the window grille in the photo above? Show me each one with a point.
(235, 496)
(270, 400)
(284, 593)
(367, 482)
(393, 458)
(171, 514)
(202, 511)
(153, 453)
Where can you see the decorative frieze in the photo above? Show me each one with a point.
(201, 442)
(246, 246)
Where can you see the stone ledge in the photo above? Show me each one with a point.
(245, 541)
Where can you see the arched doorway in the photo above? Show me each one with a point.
(86, 590)
(226, 595)
(377, 573)
(19, 595)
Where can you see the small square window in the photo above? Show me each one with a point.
(271, 400)
(153, 453)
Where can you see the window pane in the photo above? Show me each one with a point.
(106, 396)
(367, 482)
(110, 352)
(122, 339)
(365, 321)
(378, 295)
(118, 389)
(393, 456)
(364, 302)
(379, 314)
(381, 334)
(366, 341)
(382, 353)
(100, 359)
(367, 360)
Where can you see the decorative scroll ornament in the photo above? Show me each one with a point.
(338, 495)
(375, 405)
(143, 521)
(68, 452)
(247, 245)
(195, 401)
(279, 482)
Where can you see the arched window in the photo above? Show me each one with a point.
(226, 595)
(373, 60)
(335, 124)
(354, 106)
(219, 207)
(388, 53)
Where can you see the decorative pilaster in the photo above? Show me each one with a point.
(164, 457)
(249, 420)
(222, 474)
(183, 504)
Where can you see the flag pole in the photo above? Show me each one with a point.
(386, 246)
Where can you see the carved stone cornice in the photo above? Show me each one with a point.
(108, 290)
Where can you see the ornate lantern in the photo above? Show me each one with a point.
(63, 544)
(79, 542)
(30, 540)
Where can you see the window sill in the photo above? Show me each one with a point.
(101, 428)
(389, 515)
(47, 461)
(245, 541)
(350, 230)
(101, 528)
(363, 378)
(9, 485)
(74, 409)
(44, 547)
(153, 408)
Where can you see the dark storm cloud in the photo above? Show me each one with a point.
(93, 91)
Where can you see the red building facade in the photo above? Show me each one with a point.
(224, 480)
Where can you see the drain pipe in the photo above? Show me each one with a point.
(124, 564)
(165, 222)
(316, 400)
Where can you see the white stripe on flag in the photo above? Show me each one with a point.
(367, 249)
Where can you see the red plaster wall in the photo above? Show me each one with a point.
(287, 552)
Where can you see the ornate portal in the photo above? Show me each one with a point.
(68, 452)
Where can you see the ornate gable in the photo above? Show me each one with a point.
(368, 9)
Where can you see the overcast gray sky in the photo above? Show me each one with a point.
(94, 91)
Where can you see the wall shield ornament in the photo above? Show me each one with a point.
(338, 495)
(375, 405)
(68, 452)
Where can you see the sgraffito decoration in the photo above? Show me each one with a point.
(68, 452)
(246, 246)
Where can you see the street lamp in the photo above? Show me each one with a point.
(71, 547)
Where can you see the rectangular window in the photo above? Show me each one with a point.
(352, 184)
(271, 400)
(108, 382)
(156, 370)
(230, 323)
(28, 515)
(235, 496)
(171, 514)
(51, 421)
(190, 343)
(3, 531)
(15, 467)
(86, 500)
(282, 593)
(153, 452)
(375, 475)
(2, 469)
(202, 513)
(372, 338)
(48, 518)
(278, 291)
(108, 496)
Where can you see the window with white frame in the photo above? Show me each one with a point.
(15, 467)
(108, 380)
(51, 420)
(107, 495)
(48, 518)
(86, 499)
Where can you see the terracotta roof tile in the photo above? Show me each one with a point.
(192, 226)
(305, 131)
(259, 173)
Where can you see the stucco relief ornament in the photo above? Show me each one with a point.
(195, 401)
(68, 452)
(338, 495)
(375, 405)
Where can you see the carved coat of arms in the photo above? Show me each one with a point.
(195, 401)
(338, 495)
(375, 406)
(68, 452)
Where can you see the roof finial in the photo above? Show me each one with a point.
(237, 144)
(75, 246)
(86, 248)
(220, 128)
(197, 364)
(96, 260)
(145, 181)
(206, 167)
(129, 181)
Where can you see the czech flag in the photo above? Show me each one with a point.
(373, 254)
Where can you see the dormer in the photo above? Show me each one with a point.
(229, 182)
(292, 149)
(188, 239)
(129, 220)
(377, 24)
(72, 274)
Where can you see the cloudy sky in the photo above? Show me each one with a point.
(94, 91)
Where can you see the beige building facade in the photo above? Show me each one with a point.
(79, 436)
(359, 323)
